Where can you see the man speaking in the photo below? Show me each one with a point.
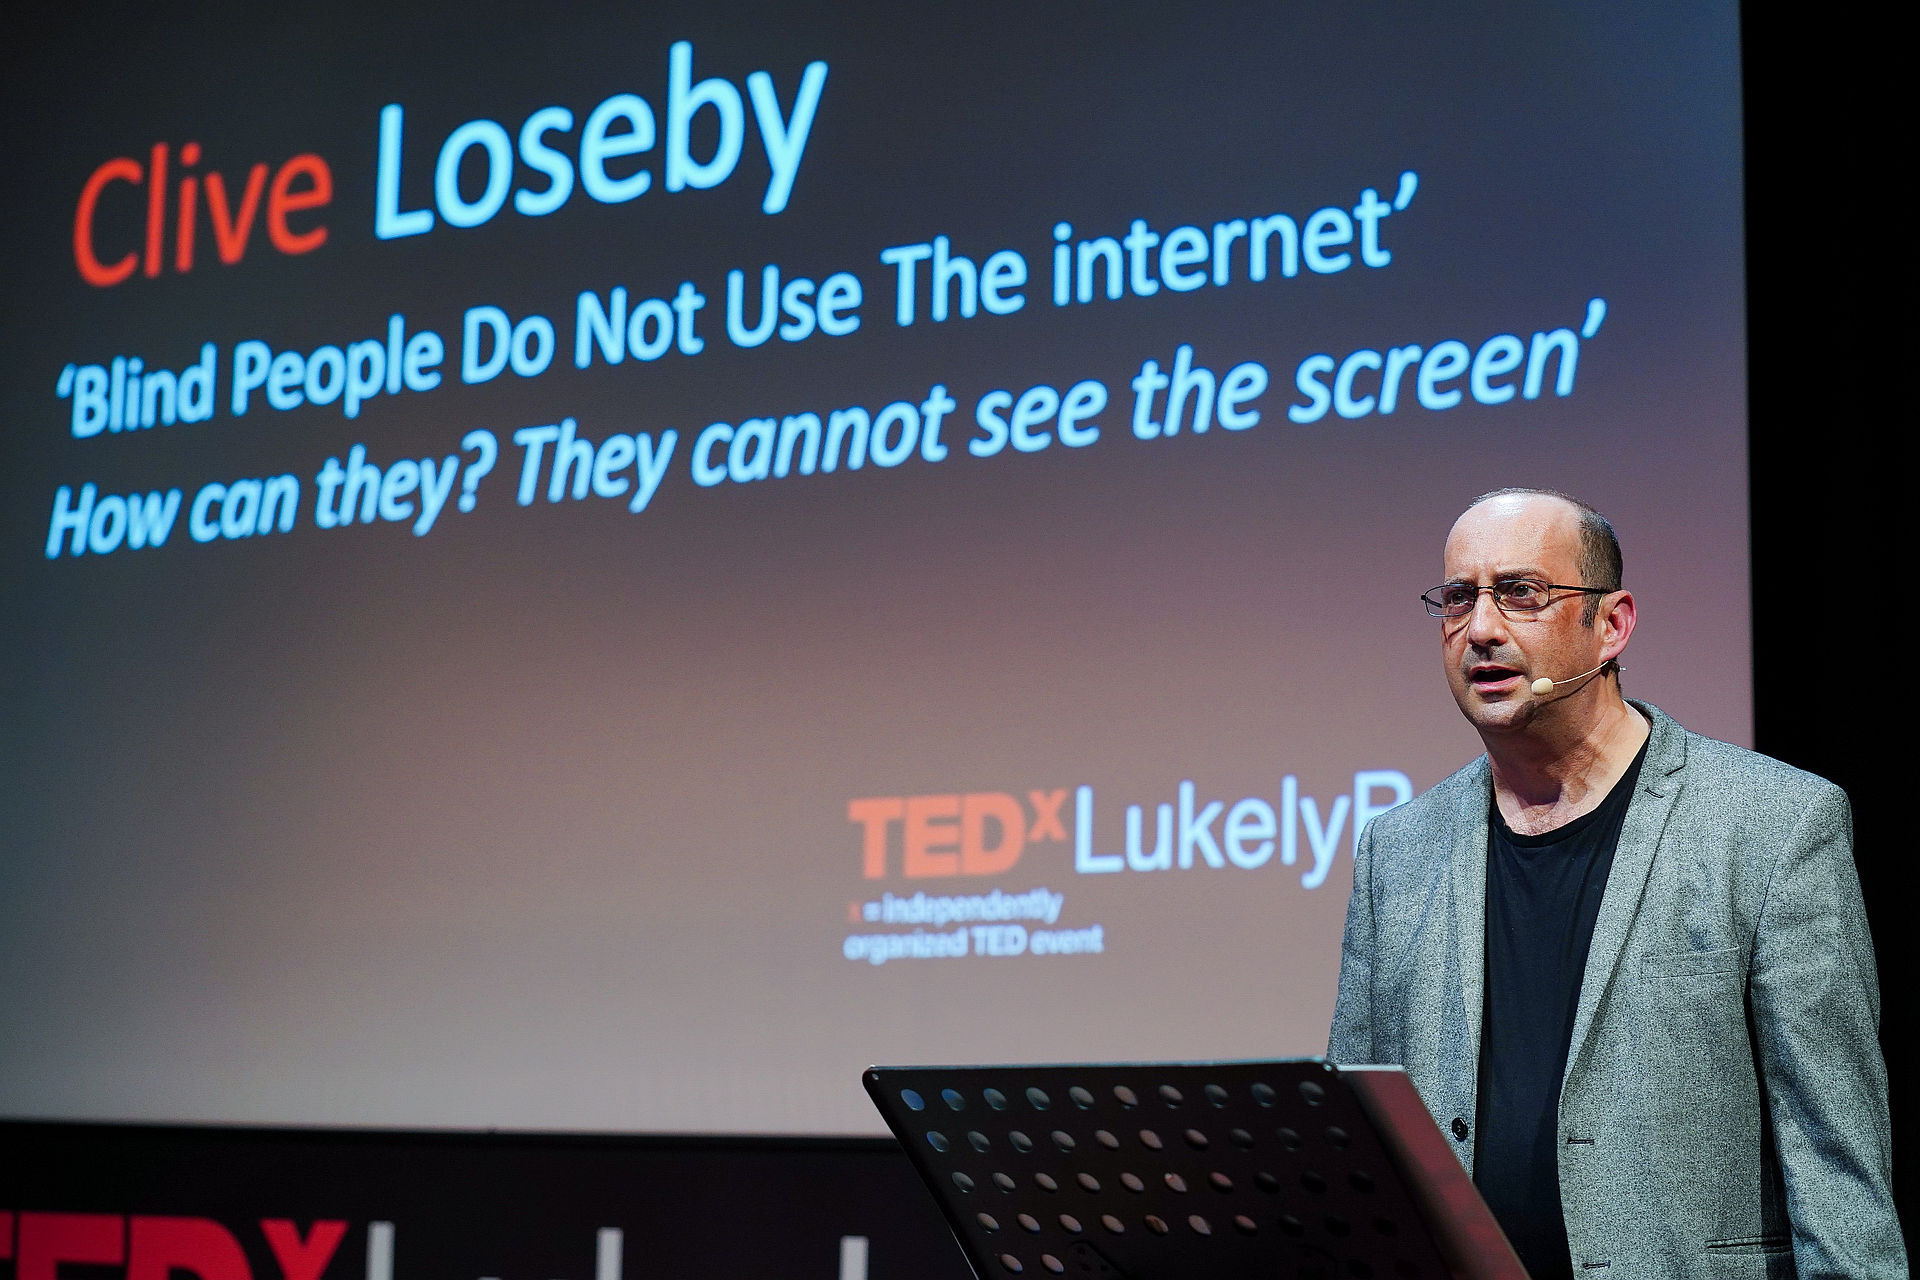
(1627, 966)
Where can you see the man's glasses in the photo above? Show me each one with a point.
(1510, 595)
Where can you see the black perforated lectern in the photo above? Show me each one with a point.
(1192, 1171)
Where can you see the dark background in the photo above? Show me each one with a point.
(465, 1205)
(1824, 344)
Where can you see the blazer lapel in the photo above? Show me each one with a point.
(1658, 786)
(1469, 877)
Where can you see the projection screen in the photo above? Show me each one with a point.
(605, 567)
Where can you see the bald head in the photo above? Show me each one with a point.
(1555, 516)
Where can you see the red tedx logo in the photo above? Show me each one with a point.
(980, 833)
(153, 1247)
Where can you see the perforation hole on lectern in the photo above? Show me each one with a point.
(1337, 1225)
(1240, 1138)
(1062, 1139)
(1175, 1182)
(962, 1181)
(995, 1099)
(1312, 1093)
(1125, 1096)
(1290, 1139)
(1360, 1180)
(1385, 1226)
(1028, 1223)
(1045, 1182)
(1201, 1227)
(1011, 1263)
(1339, 1137)
(1070, 1224)
(1113, 1224)
(1150, 1140)
(1292, 1225)
(1005, 1182)
(1157, 1224)
(1019, 1141)
(1266, 1182)
(1216, 1095)
(1038, 1098)
(1081, 1098)
(1171, 1096)
(913, 1100)
(1053, 1264)
(1106, 1139)
(977, 1140)
(1220, 1182)
(1244, 1225)
(937, 1140)
(1264, 1095)
(1131, 1181)
(1313, 1182)
(953, 1099)
(987, 1221)
(1196, 1139)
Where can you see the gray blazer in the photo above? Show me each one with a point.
(1725, 1104)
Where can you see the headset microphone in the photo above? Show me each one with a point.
(1543, 686)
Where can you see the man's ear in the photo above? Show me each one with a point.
(1618, 614)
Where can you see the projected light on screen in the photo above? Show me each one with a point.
(610, 568)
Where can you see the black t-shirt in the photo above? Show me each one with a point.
(1543, 896)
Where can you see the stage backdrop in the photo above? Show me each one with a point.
(606, 567)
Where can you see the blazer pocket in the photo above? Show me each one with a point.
(1674, 964)
(1780, 1243)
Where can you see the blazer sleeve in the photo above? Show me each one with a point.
(1816, 1013)
(1351, 1040)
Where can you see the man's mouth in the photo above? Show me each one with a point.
(1491, 676)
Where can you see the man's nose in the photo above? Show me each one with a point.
(1486, 625)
